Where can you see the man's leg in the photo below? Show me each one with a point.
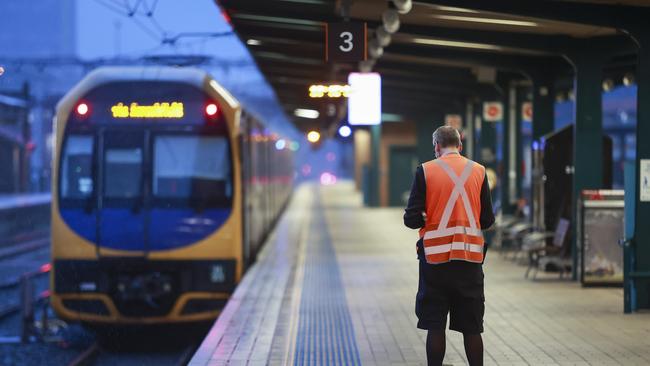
(473, 349)
(436, 344)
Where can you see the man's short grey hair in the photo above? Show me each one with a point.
(446, 136)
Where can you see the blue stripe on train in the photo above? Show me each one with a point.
(168, 229)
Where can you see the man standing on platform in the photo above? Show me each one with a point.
(450, 204)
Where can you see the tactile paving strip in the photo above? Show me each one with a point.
(325, 333)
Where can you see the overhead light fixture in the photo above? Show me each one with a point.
(306, 113)
(253, 42)
(446, 43)
(628, 79)
(390, 20)
(519, 23)
(382, 36)
(375, 50)
(454, 9)
(403, 6)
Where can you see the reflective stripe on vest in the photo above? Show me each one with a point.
(442, 243)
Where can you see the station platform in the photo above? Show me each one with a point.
(336, 284)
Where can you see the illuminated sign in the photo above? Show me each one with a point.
(331, 91)
(156, 110)
(364, 102)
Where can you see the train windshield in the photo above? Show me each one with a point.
(192, 167)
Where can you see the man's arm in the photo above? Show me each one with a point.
(415, 207)
(487, 216)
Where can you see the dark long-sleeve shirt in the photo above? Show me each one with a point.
(416, 205)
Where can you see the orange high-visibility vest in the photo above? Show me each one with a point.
(453, 206)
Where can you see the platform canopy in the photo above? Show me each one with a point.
(441, 54)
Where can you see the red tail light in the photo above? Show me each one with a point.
(82, 109)
(211, 110)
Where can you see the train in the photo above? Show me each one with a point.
(163, 190)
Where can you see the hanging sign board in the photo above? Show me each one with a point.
(644, 184)
(527, 111)
(454, 120)
(364, 101)
(346, 42)
(492, 111)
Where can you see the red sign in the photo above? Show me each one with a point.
(527, 111)
(492, 111)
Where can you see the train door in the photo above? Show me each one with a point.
(121, 212)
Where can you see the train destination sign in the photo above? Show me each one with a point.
(346, 42)
(156, 110)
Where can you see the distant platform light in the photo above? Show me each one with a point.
(294, 146)
(628, 79)
(306, 113)
(82, 109)
(519, 23)
(327, 179)
(211, 109)
(253, 42)
(313, 136)
(345, 131)
(2, 70)
(608, 84)
(280, 144)
(330, 91)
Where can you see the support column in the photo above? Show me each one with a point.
(521, 93)
(640, 248)
(543, 104)
(375, 148)
(468, 129)
(588, 131)
(507, 126)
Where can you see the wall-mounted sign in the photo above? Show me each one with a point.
(454, 120)
(346, 42)
(492, 111)
(364, 102)
(156, 110)
(330, 91)
(527, 111)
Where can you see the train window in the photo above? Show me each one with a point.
(76, 172)
(123, 172)
(192, 167)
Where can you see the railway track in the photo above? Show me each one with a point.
(87, 357)
(24, 247)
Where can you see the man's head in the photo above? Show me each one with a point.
(446, 139)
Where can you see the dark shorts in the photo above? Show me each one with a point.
(454, 288)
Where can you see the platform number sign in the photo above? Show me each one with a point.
(492, 111)
(346, 42)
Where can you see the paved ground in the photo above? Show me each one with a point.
(546, 322)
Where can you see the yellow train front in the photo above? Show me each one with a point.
(163, 190)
